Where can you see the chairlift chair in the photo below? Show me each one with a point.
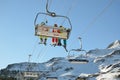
(52, 78)
(78, 61)
(46, 30)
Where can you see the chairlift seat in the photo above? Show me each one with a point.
(51, 78)
(78, 61)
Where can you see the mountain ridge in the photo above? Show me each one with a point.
(102, 62)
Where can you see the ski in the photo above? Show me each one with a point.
(65, 48)
(53, 45)
(60, 45)
(42, 43)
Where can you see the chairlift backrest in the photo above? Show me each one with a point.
(45, 30)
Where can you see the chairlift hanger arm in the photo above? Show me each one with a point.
(50, 13)
(80, 42)
(47, 6)
(79, 49)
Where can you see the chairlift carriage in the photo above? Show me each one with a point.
(46, 30)
(76, 60)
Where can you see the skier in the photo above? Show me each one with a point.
(61, 29)
(43, 39)
(54, 39)
(65, 41)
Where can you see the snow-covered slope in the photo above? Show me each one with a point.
(104, 64)
(115, 44)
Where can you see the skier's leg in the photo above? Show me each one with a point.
(56, 41)
(45, 40)
(41, 39)
(65, 43)
(59, 42)
(53, 40)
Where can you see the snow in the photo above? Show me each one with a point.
(104, 64)
(115, 44)
(109, 76)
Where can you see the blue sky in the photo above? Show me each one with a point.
(97, 27)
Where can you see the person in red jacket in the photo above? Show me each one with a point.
(54, 39)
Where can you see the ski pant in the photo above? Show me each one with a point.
(65, 42)
(55, 40)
